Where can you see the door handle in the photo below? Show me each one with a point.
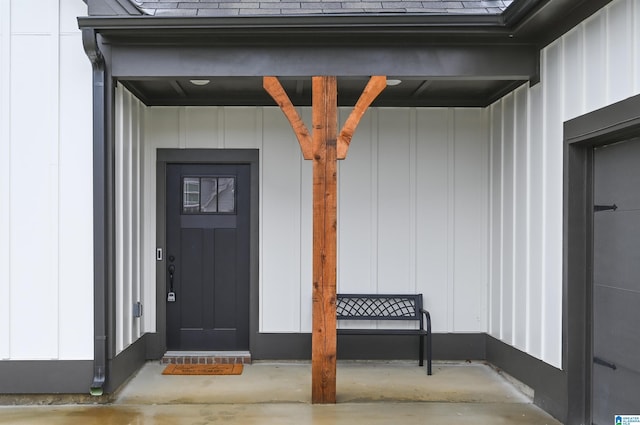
(598, 360)
(171, 296)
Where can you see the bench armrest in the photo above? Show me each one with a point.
(427, 318)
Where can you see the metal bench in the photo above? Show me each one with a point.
(406, 307)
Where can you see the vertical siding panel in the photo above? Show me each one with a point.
(281, 215)
(127, 212)
(573, 73)
(136, 255)
(521, 218)
(495, 292)
(69, 11)
(355, 191)
(432, 173)
(535, 189)
(470, 217)
(161, 127)
(33, 16)
(76, 226)
(508, 205)
(552, 213)
(413, 200)
(619, 44)
(5, 177)
(595, 63)
(393, 201)
(636, 46)
(450, 207)
(33, 190)
(119, 197)
(239, 127)
(53, 215)
(200, 127)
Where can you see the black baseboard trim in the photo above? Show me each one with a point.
(45, 376)
(280, 346)
(125, 364)
(296, 346)
(548, 383)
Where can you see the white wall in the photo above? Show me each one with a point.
(129, 124)
(594, 65)
(46, 260)
(412, 207)
(416, 192)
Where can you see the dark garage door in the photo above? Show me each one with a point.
(616, 275)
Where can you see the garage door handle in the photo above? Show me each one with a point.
(597, 208)
(598, 360)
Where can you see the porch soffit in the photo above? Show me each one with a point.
(461, 56)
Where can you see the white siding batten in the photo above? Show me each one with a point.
(5, 179)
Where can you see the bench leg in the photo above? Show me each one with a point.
(429, 353)
(421, 351)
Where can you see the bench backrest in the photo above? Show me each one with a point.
(378, 307)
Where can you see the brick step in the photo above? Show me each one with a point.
(206, 357)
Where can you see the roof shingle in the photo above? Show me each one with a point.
(318, 7)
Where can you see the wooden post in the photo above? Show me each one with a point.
(324, 148)
(325, 222)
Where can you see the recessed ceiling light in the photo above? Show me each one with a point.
(393, 82)
(200, 82)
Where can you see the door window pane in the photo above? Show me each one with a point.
(191, 195)
(226, 194)
(208, 195)
(209, 190)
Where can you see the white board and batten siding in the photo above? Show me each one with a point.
(463, 205)
(46, 246)
(594, 65)
(129, 277)
(412, 206)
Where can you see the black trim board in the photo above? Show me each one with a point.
(501, 62)
(549, 383)
(616, 122)
(446, 346)
(45, 376)
(125, 364)
(69, 376)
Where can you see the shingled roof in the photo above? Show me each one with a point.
(318, 7)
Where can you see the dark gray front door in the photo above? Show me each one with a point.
(616, 276)
(207, 257)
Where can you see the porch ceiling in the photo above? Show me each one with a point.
(248, 91)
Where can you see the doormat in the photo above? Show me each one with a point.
(203, 369)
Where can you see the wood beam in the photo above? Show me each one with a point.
(322, 147)
(374, 87)
(325, 223)
(274, 88)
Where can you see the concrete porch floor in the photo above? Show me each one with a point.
(280, 392)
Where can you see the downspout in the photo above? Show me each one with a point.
(100, 227)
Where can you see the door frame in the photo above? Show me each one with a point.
(157, 345)
(617, 122)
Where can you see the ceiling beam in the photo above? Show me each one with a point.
(489, 62)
